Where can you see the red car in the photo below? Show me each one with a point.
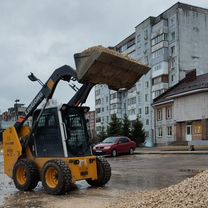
(114, 146)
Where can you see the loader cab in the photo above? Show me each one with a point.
(61, 132)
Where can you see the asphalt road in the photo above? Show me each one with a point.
(129, 173)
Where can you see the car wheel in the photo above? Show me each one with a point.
(131, 151)
(114, 153)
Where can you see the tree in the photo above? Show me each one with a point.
(102, 135)
(125, 130)
(114, 127)
(137, 132)
(93, 137)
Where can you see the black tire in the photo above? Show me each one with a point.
(60, 182)
(25, 175)
(114, 153)
(103, 173)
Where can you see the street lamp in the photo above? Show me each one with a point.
(16, 108)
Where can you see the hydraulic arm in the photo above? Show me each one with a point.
(63, 73)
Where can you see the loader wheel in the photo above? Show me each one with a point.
(103, 173)
(25, 175)
(56, 177)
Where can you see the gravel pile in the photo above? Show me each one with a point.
(110, 51)
(190, 193)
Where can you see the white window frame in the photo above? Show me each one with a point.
(169, 130)
(159, 132)
(159, 114)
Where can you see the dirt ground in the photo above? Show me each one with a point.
(129, 173)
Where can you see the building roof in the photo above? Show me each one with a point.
(191, 84)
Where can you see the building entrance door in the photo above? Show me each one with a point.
(188, 132)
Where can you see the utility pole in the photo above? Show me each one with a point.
(16, 108)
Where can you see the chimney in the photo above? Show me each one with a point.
(190, 76)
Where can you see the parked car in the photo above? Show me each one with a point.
(115, 145)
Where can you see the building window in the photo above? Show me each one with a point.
(159, 132)
(146, 84)
(131, 43)
(124, 47)
(138, 38)
(146, 110)
(168, 112)
(159, 114)
(131, 112)
(172, 51)
(157, 53)
(132, 101)
(139, 99)
(146, 97)
(159, 38)
(158, 92)
(140, 111)
(147, 121)
(157, 80)
(173, 36)
(172, 63)
(97, 110)
(172, 21)
(146, 34)
(113, 106)
(169, 130)
(98, 101)
(106, 98)
(157, 67)
(97, 92)
(198, 129)
(172, 77)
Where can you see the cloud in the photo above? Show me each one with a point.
(40, 36)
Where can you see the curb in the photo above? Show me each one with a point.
(171, 152)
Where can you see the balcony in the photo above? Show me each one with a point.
(162, 44)
(160, 69)
(132, 106)
(132, 117)
(160, 86)
(115, 100)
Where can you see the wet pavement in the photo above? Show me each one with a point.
(129, 173)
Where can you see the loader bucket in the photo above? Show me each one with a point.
(99, 65)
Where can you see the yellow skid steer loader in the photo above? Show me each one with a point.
(55, 150)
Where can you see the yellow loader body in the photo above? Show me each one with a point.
(81, 167)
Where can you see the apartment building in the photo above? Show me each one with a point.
(172, 43)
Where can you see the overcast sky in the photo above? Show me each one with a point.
(42, 35)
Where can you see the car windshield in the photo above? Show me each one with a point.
(110, 140)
